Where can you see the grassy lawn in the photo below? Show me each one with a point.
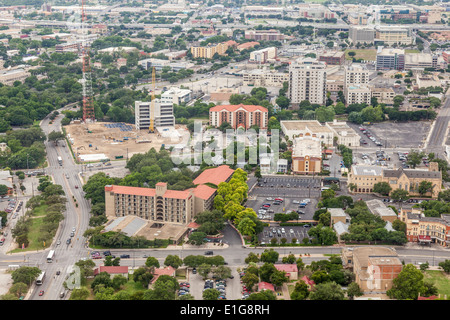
(40, 211)
(411, 51)
(440, 280)
(33, 237)
(365, 54)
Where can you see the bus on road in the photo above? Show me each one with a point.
(60, 161)
(40, 279)
(50, 256)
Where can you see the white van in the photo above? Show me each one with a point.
(324, 188)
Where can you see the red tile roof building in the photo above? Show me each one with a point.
(291, 270)
(238, 116)
(265, 286)
(112, 270)
(167, 271)
(215, 176)
(247, 45)
(158, 204)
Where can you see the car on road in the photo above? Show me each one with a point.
(306, 200)
(306, 226)
(58, 242)
(124, 256)
(296, 201)
(69, 241)
(269, 199)
(194, 270)
(302, 205)
(41, 293)
(209, 253)
(76, 187)
(58, 273)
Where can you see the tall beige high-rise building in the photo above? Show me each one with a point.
(307, 81)
(356, 82)
(356, 75)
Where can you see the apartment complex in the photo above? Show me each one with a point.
(383, 95)
(209, 51)
(162, 114)
(356, 81)
(365, 177)
(264, 35)
(307, 155)
(356, 75)
(375, 268)
(390, 59)
(265, 78)
(168, 210)
(357, 94)
(263, 55)
(307, 81)
(239, 116)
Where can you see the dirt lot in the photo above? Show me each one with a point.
(110, 141)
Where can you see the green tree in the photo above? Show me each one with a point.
(301, 291)
(382, 188)
(250, 280)
(407, 285)
(211, 294)
(143, 275)
(269, 255)
(354, 290)
(415, 158)
(173, 261)
(152, 262)
(400, 195)
(327, 291)
(425, 187)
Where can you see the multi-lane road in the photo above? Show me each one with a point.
(438, 134)
(68, 176)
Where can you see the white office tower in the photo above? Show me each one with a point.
(163, 114)
(307, 81)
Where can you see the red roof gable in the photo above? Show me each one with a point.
(232, 108)
(287, 267)
(111, 269)
(214, 175)
(265, 286)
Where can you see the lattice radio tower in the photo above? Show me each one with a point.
(88, 105)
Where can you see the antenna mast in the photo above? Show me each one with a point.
(88, 105)
(152, 105)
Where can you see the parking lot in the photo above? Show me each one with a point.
(232, 290)
(288, 187)
(394, 135)
(289, 233)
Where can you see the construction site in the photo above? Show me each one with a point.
(99, 140)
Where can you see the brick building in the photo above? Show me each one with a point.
(238, 116)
